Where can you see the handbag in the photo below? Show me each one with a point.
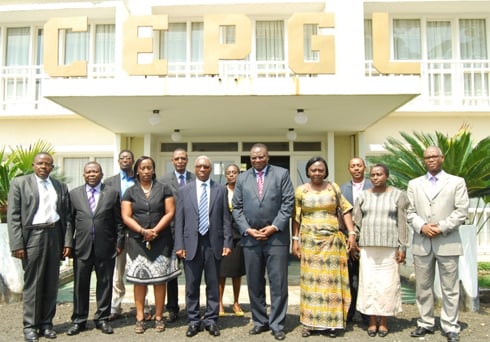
(340, 214)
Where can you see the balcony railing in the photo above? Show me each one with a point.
(446, 85)
(450, 85)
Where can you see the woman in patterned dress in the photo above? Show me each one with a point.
(147, 209)
(322, 250)
(381, 214)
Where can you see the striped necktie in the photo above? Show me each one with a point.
(203, 211)
(46, 202)
(91, 200)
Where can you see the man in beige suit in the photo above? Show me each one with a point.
(438, 206)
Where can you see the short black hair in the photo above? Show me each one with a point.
(137, 164)
(384, 167)
(313, 161)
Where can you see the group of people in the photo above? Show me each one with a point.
(350, 240)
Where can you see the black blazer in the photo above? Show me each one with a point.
(23, 202)
(109, 230)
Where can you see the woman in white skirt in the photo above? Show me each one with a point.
(381, 215)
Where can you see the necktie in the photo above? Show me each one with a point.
(260, 183)
(181, 181)
(203, 211)
(433, 181)
(46, 202)
(91, 200)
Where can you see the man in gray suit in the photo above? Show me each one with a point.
(40, 234)
(438, 206)
(121, 181)
(351, 190)
(262, 205)
(175, 180)
(202, 237)
(98, 237)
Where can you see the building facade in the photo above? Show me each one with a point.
(332, 78)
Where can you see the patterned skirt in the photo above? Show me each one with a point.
(324, 281)
(146, 265)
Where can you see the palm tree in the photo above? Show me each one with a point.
(17, 163)
(462, 157)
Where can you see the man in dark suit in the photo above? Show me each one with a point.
(438, 205)
(175, 180)
(202, 237)
(121, 181)
(262, 205)
(351, 190)
(98, 237)
(40, 234)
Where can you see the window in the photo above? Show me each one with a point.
(368, 39)
(440, 47)
(73, 171)
(76, 46)
(174, 47)
(473, 48)
(269, 40)
(17, 56)
(309, 54)
(105, 44)
(406, 39)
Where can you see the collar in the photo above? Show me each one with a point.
(265, 169)
(124, 175)
(438, 176)
(199, 183)
(180, 174)
(39, 180)
(97, 187)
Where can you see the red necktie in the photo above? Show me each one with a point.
(260, 183)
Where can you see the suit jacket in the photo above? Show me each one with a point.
(106, 220)
(114, 181)
(23, 202)
(447, 205)
(171, 180)
(346, 189)
(187, 220)
(275, 207)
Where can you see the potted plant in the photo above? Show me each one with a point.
(463, 158)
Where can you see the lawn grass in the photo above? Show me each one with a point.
(484, 275)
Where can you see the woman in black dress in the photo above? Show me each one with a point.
(147, 210)
(233, 265)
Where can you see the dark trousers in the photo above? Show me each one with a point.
(173, 296)
(104, 271)
(203, 261)
(41, 273)
(274, 259)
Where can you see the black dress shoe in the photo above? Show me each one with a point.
(31, 336)
(172, 316)
(75, 329)
(279, 335)
(258, 329)
(452, 337)
(420, 332)
(192, 330)
(48, 333)
(213, 330)
(104, 327)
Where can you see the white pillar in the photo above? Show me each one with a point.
(331, 154)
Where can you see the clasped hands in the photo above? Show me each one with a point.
(261, 234)
(430, 230)
(181, 252)
(149, 234)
